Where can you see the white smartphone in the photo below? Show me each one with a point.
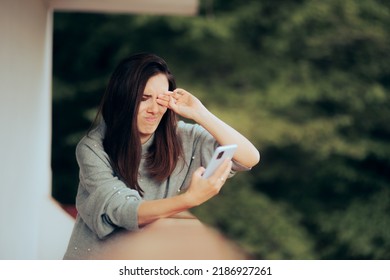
(220, 154)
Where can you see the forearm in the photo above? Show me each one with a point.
(200, 190)
(152, 210)
(188, 106)
(246, 153)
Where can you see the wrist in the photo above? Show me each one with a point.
(188, 200)
(202, 116)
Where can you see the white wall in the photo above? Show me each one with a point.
(27, 213)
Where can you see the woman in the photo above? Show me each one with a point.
(138, 163)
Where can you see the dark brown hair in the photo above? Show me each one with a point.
(119, 109)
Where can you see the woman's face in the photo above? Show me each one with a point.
(150, 112)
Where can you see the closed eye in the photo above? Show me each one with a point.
(145, 97)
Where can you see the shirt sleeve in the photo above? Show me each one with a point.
(203, 146)
(103, 201)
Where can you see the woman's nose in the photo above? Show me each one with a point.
(153, 106)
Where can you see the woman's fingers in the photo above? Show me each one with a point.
(201, 189)
(163, 99)
(199, 172)
(181, 102)
(167, 99)
(178, 93)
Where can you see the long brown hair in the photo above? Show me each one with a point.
(119, 108)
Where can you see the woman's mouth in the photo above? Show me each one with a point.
(151, 119)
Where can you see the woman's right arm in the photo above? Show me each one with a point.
(199, 191)
(104, 202)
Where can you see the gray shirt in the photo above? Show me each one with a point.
(106, 205)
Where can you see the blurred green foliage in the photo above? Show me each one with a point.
(306, 80)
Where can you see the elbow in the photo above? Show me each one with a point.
(249, 160)
(256, 158)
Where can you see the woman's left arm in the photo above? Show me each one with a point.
(187, 105)
(246, 154)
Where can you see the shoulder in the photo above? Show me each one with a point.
(190, 130)
(195, 137)
(93, 137)
(91, 144)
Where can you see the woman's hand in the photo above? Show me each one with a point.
(181, 102)
(188, 106)
(201, 189)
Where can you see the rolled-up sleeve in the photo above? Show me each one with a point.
(104, 202)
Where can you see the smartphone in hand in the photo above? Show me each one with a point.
(220, 154)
